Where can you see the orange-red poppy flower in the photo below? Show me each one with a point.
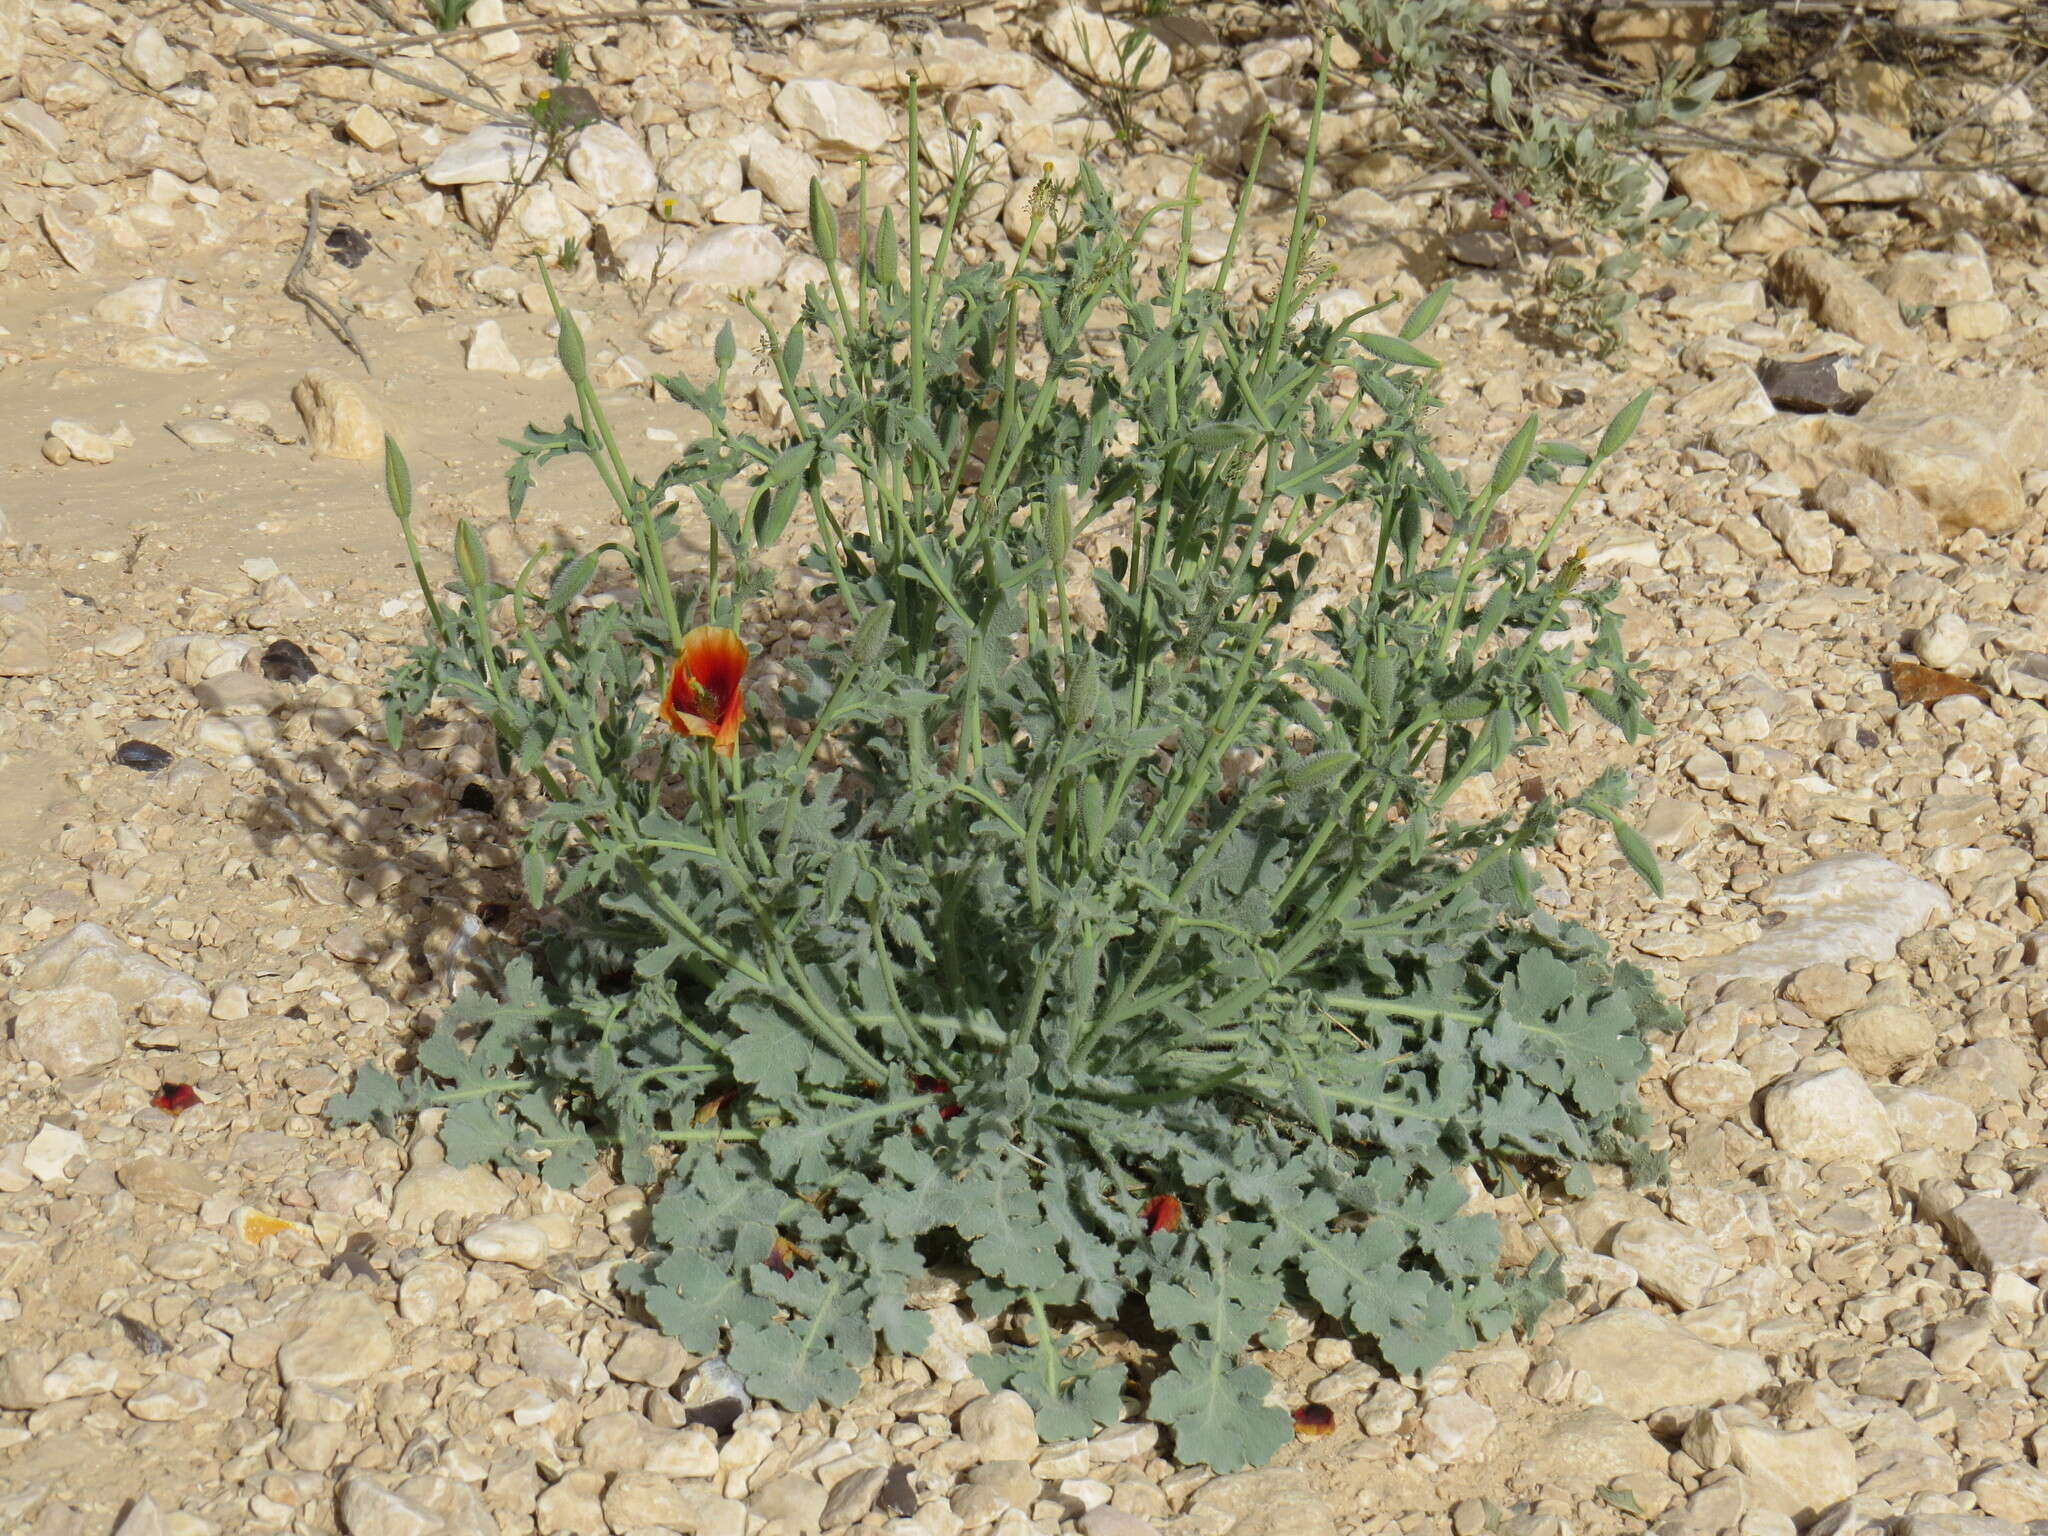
(1314, 1420)
(703, 697)
(1161, 1214)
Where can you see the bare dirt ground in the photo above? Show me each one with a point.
(221, 1315)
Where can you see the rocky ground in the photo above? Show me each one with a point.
(220, 891)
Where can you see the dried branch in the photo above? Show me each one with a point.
(295, 287)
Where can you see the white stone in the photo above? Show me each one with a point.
(1926, 1119)
(368, 1508)
(489, 352)
(79, 1375)
(161, 354)
(781, 172)
(1106, 51)
(1455, 1427)
(169, 1398)
(370, 128)
(68, 442)
(1823, 1116)
(1671, 1260)
(506, 1240)
(1959, 275)
(155, 62)
(607, 162)
(1942, 643)
(50, 1151)
(336, 1338)
(736, 257)
(1641, 1361)
(1978, 322)
(838, 117)
(1000, 1427)
(90, 955)
(1997, 1234)
(491, 155)
(1855, 905)
(140, 304)
(432, 1189)
(67, 1030)
(341, 422)
(1794, 1472)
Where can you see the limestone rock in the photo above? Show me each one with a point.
(1107, 51)
(739, 256)
(1959, 275)
(1651, 38)
(1642, 1361)
(1870, 142)
(782, 172)
(504, 1240)
(1455, 1427)
(432, 1189)
(836, 117)
(73, 442)
(67, 1030)
(1925, 1119)
(1671, 1260)
(1823, 1116)
(88, 955)
(1974, 321)
(155, 62)
(491, 155)
(1000, 1427)
(161, 354)
(1837, 909)
(607, 162)
(1985, 1073)
(51, 1151)
(1720, 183)
(1795, 1472)
(2012, 1491)
(335, 1339)
(368, 1508)
(1996, 1234)
(1734, 398)
(141, 304)
(1842, 299)
(14, 18)
(268, 175)
(1884, 1037)
(1592, 1447)
(341, 423)
(1272, 1502)
(489, 352)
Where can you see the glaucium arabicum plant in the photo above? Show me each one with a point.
(1123, 958)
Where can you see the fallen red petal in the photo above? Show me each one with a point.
(1162, 1214)
(175, 1098)
(1314, 1420)
(783, 1257)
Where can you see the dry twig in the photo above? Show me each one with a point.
(285, 24)
(295, 287)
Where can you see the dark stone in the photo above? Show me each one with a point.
(1807, 384)
(896, 1495)
(476, 798)
(284, 662)
(142, 756)
(718, 1417)
(347, 245)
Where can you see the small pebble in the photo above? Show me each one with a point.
(142, 756)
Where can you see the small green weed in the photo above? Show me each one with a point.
(447, 15)
(1124, 953)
